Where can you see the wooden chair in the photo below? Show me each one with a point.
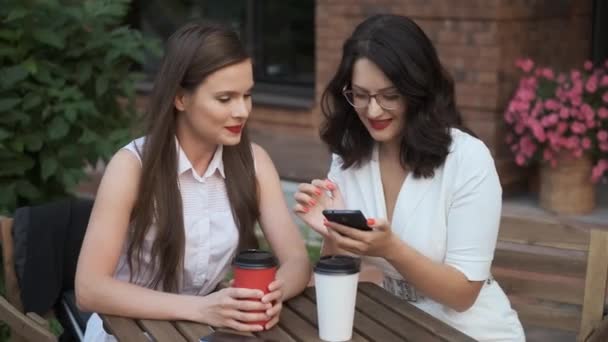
(554, 271)
(24, 326)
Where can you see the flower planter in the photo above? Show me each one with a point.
(567, 187)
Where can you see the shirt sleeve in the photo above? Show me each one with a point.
(474, 212)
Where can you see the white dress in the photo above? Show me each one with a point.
(211, 233)
(451, 218)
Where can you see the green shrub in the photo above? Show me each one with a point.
(66, 92)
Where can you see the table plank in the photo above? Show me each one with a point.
(412, 313)
(298, 327)
(276, 334)
(162, 330)
(364, 327)
(124, 329)
(193, 331)
(390, 320)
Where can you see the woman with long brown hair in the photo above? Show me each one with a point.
(174, 206)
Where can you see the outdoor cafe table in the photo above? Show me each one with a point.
(380, 316)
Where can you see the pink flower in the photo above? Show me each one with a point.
(586, 143)
(525, 64)
(605, 97)
(578, 153)
(575, 74)
(548, 73)
(578, 128)
(587, 112)
(603, 113)
(547, 155)
(561, 78)
(588, 65)
(549, 120)
(598, 170)
(551, 104)
(591, 85)
(564, 113)
(604, 81)
(537, 130)
(604, 146)
(509, 138)
(520, 160)
(602, 136)
(562, 127)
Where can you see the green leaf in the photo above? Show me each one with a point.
(70, 114)
(16, 14)
(33, 141)
(4, 134)
(11, 75)
(17, 145)
(9, 35)
(31, 101)
(16, 166)
(83, 72)
(101, 85)
(58, 128)
(49, 38)
(30, 65)
(27, 189)
(48, 167)
(7, 104)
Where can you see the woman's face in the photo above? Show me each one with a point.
(380, 106)
(216, 111)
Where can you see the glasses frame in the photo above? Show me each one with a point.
(346, 92)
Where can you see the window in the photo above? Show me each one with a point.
(279, 35)
(600, 31)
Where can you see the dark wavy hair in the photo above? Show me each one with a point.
(407, 57)
(193, 52)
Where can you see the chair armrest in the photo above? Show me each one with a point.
(24, 326)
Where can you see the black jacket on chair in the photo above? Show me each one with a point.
(47, 242)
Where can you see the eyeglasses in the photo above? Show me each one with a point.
(359, 99)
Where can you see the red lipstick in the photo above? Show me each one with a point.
(235, 129)
(380, 124)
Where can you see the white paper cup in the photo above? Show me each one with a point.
(336, 279)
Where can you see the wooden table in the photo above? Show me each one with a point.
(380, 316)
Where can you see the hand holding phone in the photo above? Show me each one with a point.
(349, 218)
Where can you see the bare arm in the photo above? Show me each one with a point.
(279, 228)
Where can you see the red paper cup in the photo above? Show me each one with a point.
(254, 269)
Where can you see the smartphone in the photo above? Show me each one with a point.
(350, 218)
(221, 336)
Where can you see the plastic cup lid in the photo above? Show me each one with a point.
(338, 264)
(255, 259)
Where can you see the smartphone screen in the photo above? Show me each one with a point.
(350, 218)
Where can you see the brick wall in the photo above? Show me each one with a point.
(477, 40)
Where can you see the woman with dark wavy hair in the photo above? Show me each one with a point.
(428, 188)
(174, 206)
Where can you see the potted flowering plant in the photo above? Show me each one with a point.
(560, 120)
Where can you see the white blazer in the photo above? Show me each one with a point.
(451, 218)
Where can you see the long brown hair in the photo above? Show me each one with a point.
(192, 53)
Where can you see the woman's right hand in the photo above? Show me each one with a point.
(233, 308)
(312, 198)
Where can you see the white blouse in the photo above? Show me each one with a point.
(451, 218)
(210, 230)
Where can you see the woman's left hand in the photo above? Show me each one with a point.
(275, 297)
(378, 242)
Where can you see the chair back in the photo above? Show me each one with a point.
(553, 271)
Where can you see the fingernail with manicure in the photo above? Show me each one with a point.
(371, 221)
